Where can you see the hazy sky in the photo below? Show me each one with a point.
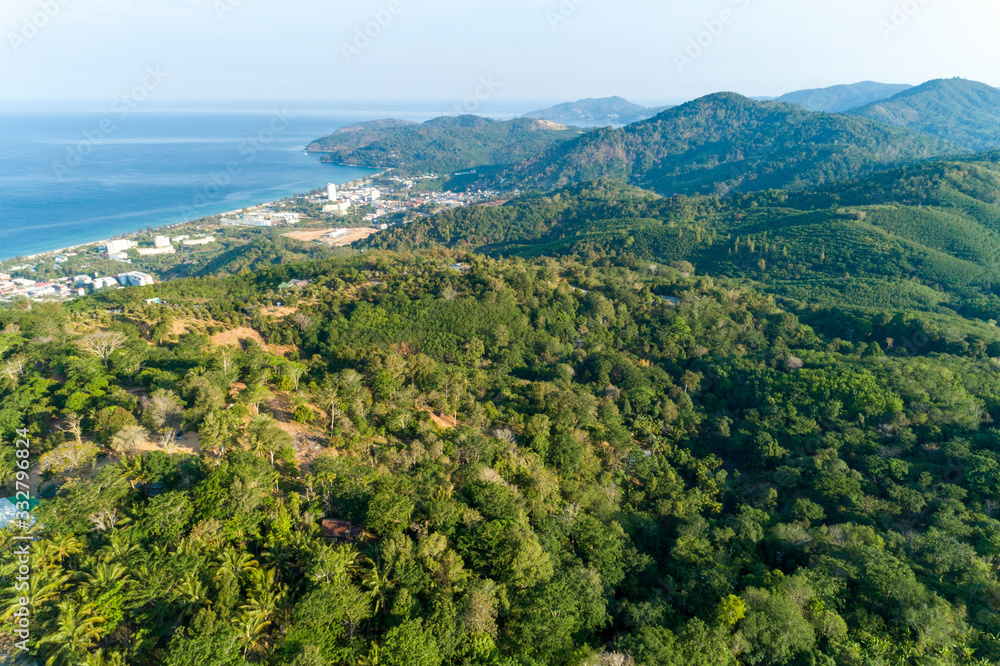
(443, 50)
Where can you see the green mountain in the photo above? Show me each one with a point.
(530, 462)
(597, 112)
(924, 237)
(837, 99)
(725, 142)
(965, 113)
(359, 135)
(443, 144)
(752, 430)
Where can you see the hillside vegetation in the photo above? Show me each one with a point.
(358, 135)
(837, 99)
(550, 465)
(585, 426)
(928, 235)
(724, 143)
(604, 111)
(965, 113)
(444, 144)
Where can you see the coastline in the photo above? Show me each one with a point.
(127, 234)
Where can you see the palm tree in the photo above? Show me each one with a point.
(329, 396)
(267, 593)
(134, 470)
(338, 564)
(373, 658)
(38, 595)
(61, 548)
(235, 564)
(104, 575)
(379, 584)
(100, 658)
(191, 593)
(76, 631)
(251, 626)
(119, 548)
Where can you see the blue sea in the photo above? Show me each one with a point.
(73, 178)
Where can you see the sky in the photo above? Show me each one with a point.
(477, 55)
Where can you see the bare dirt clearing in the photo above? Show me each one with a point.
(442, 420)
(189, 443)
(341, 241)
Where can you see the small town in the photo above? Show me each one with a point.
(397, 196)
(364, 207)
(12, 289)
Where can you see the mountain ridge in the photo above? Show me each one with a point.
(727, 142)
(963, 112)
(840, 98)
(613, 110)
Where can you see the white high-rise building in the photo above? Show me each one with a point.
(161, 241)
(119, 246)
(331, 192)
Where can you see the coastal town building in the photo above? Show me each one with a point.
(119, 246)
(135, 279)
(291, 219)
(104, 283)
(331, 192)
(161, 241)
(248, 221)
(189, 242)
(149, 251)
(338, 207)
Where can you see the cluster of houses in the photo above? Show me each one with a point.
(341, 201)
(118, 249)
(263, 218)
(67, 288)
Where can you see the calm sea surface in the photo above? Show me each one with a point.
(67, 179)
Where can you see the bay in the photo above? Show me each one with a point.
(73, 178)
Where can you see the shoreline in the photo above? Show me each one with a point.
(88, 244)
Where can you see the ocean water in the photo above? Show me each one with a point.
(73, 178)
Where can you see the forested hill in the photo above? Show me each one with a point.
(591, 112)
(445, 144)
(965, 113)
(837, 99)
(924, 237)
(359, 135)
(541, 462)
(726, 142)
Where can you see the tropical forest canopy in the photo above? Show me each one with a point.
(588, 426)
